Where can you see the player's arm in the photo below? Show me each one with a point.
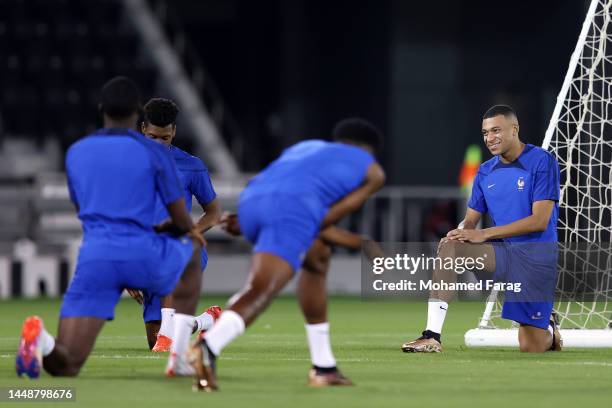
(229, 223)
(211, 216)
(202, 188)
(536, 222)
(179, 222)
(374, 180)
(471, 220)
(338, 236)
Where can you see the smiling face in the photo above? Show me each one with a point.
(500, 134)
(163, 135)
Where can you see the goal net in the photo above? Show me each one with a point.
(580, 135)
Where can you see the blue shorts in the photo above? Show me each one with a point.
(151, 304)
(97, 284)
(534, 266)
(278, 224)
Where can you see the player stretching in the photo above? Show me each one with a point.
(311, 186)
(160, 125)
(114, 177)
(519, 188)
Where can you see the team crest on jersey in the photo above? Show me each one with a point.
(520, 183)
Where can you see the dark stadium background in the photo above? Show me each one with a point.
(424, 71)
(267, 74)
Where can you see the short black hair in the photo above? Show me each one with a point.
(120, 98)
(161, 112)
(359, 131)
(497, 110)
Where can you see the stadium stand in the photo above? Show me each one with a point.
(56, 55)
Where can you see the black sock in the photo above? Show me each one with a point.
(432, 335)
(325, 370)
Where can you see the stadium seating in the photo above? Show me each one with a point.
(55, 56)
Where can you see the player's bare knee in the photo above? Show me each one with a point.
(531, 347)
(197, 251)
(447, 249)
(317, 259)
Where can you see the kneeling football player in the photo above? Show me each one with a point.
(114, 176)
(519, 188)
(160, 125)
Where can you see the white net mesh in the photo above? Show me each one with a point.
(580, 135)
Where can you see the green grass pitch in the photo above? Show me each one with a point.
(267, 366)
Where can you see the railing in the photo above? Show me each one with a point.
(205, 85)
(395, 214)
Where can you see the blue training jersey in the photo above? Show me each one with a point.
(508, 191)
(315, 172)
(115, 177)
(195, 181)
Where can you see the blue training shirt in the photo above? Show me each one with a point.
(115, 177)
(316, 172)
(508, 191)
(195, 181)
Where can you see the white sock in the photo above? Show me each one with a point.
(167, 323)
(550, 330)
(183, 326)
(320, 348)
(47, 342)
(204, 321)
(229, 326)
(436, 313)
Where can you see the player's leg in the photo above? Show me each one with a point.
(534, 339)
(63, 356)
(312, 283)
(75, 340)
(153, 316)
(534, 268)
(437, 306)
(537, 332)
(312, 295)
(282, 231)
(152, 329)
(184, 299)
(268, 275)
(159, 316)
(88, 303)
(206, 320)
(160, 322)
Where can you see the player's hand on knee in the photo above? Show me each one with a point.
(468, 235)
(196, 235)
(442, 242)
(136, 295)
(229, 222)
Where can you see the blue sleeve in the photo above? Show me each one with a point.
(477, 199)
(546, 183)
(202, 188)
(167, 182)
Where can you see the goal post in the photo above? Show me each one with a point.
(580, 136)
